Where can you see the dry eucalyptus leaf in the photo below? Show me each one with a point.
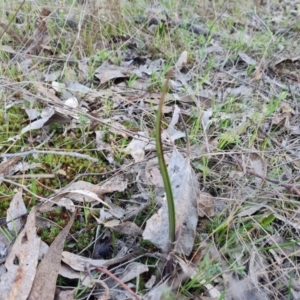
(32, 113)
(149, 284)
(185, 191)
(6, 166)
(206, 206)
(171, 132)
(182, 60)
(259, 167)
(80, 263)
(126, 228)
(115, 184)
(206, 118)
(49, 93)
(107, 72)
(66, 295)
(249, 211)
(67, 272)
(16, 209)
(58, 86)
(49, 116)
(17, 281)
(67, 203)
(247, 59)
(84, 196)
(24, 166)
(132, 271)
(153, 176)
(138, 145)
(158, 292)
(45, 280)
(35, 125)
(82, 191)
(72, 102)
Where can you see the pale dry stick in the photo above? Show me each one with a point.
(34, 151)
(22, 186)
(30, 176)
(107, 272)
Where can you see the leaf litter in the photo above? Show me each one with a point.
(240, 106)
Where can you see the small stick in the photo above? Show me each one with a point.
(34, 151)
(121, 283)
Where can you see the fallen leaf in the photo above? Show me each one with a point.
(72, 102)
(182, 60)
(138, 145)
(206, 206)
(58, 86)
(65, 295)
(18, 279)
(149, 284)
(32, 113)
(49, 116)
(80, 263)
(114, 184)
(5, 166)
(185, 191)
(107, 72)
(67, 203)
(132, 271)
(153, 176)
(206, 118)
(126, 228)
(259, 168)
(247, 59)
(171, 132)
(82, 191)
(76, 87)
(50, 93)
(16, 210)
(45, 280)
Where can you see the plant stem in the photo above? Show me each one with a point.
(163, 168)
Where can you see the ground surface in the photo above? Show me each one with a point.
(80, 86)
